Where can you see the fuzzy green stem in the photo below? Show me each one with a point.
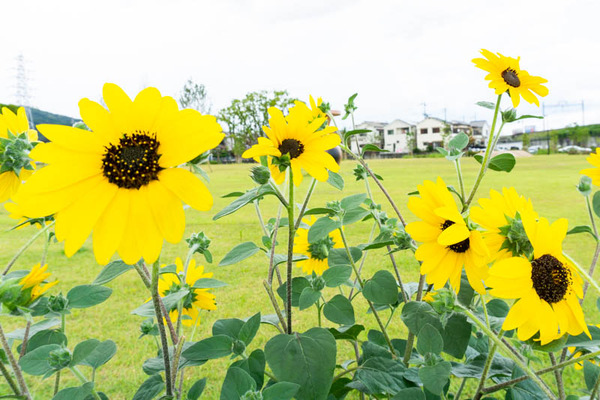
(290, 252)
(269, 290)
(371, 306)
(486, 367)
(14, 365)
(486, 157)
(460, 179)
(260, 218)
(460, 389)
(558, 376)
(594, 393)
(26, 246)
(83, 380)
(309, 193)
(176, 357)
(9, 379)
(161, 327)
(272, 266)
(507, 351)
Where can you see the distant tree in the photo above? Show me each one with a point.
(526, 140)
(193, 95)
(246, 117)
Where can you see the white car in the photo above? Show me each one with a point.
(572, 149)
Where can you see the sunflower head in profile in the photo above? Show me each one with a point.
(297, 141)
(448, 244)
(594, 172)
(501, 217)
(317, 252)
(34, 281)
(121, 181)
(547, 286)
(505, 75)
(16, 142)
(196, 300)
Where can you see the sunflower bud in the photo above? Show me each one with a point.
(239, 347)
(516, 240)
(59, 358)
(261, 174)
(252, 395)
(585, 185)
(148, 327)
(14, 153)
(317, 282)
(58, 303)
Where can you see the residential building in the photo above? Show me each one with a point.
(374, 136)
(481, 132)
(398, 136)
(430, 132)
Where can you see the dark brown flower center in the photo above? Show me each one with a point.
(551, 279)
(292, 147)
(133, 162)
(459, 247)
(511, 78)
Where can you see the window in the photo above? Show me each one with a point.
(436, 130)
(390, 131)
(423, 131)
(404, 130)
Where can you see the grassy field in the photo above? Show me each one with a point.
(548, 180)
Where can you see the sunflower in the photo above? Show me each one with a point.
(317, 252)
(33, 280)
(506, 75)
(300, 137)
(448, 243)
(121, 180)
(15, 143)
(501, 216)
(593, 173)
(547, 287)
(197, 299)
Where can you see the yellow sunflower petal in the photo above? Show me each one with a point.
(453, 234)
(187, 187)
(110, 228)
(167, 211)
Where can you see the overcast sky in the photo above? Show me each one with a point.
(396, 54)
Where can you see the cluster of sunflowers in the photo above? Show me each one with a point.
(122, 180)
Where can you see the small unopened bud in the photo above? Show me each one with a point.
(59, 358)
(252, 395)
(261, 174)
(58, 303)
(318, 283)
(585, 185)
(239, 347)
(148, 327)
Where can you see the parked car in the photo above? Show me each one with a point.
(572, 149)
(535, 149)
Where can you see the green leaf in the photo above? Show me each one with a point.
(75, 393)
(429, 340)
(372, 147)
(321, 229)
(354, 215)
(415, 314)
(551, 347)
(210, 348)
(101, 354)
(351, 202)
(456, 335)
(347, 332)
(413, 393)
(337, 275)
(298, 285)
(239, 253)
(502, 162)
(307, 359)
(244, 199)
(353, 132)
(208, 283)
(340, 257)
(228, 327)
(336, 180)
(308, 297)
(249, 329)
(237, 382)
(435, 377)
(486, 104)
(111, 271)
(339, 310)
(18, 334)
(382, 288)
(596, 203)
(41, 338)
(527, 116)
(82, 350)
(170, 301)
(196, 390)
(525, 390)
(318, 210)
(151, 388)
(281, 391)
(254, 365)
(466, 293)
(379, 376)
(36, 362)
(282, 258)
(591, 373)
(459, 142)
(88, 295)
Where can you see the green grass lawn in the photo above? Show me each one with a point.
(548, 180)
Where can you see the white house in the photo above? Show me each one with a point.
(430, 132)
(374, 136)
(481, 132)
(397, 135)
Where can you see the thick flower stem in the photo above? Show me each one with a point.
(596, 252)
(486, 157)
(594, 393)
(176, 357)
(15, 365)
(83, 379)
(275, 305)
(9, 379)
(460, 389)
(411, 336)
(26, 246)
(161, 327)
(272, 266)
(486, 368)
(311, 188)
(371, 306)
(25, 339)
(522, 378)
(290, 252)
(460, 179)
(558, 376)
(362, 262)
(532, 375)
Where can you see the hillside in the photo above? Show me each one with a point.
(43, 117)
